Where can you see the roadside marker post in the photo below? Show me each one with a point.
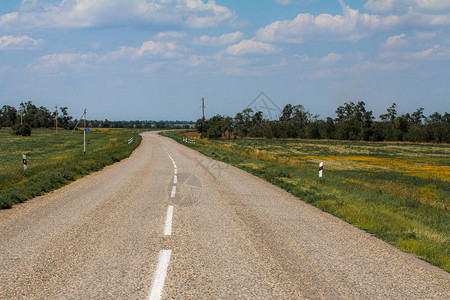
(320, 169)
(24, 158)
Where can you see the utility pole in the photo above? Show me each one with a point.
(21, 113)
(84, 131)
(56, 118)
(203, 107)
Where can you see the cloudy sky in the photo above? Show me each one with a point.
(155, 59)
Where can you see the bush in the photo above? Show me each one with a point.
(23, 130)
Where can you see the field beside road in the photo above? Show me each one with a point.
(55, 160)
(399, 192)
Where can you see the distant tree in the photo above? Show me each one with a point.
(64, 118)
(312, 130)
(216, 127)
(243, 121)
(391, 114)
(286, 114)
(418, 117)
(354, 122)
(8, 116)
(201, 125)
(23, 130)
(330, 129)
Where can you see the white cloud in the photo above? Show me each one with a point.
(385, 6)
(124, 52)
(8, 19)
(371, 66)
(223, 40)
(206, 14)
(350, 26)
(331, 58)
(88, 13)
(251, 47)
(65, 61)
(396, 41)
(283, 2)
(234, 65)
(160, 49)
(424, 35)
(430, 53)
(170, 35)
(379, 5)
(22, 42)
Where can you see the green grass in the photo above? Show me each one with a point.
(399, 192)
(55, 160)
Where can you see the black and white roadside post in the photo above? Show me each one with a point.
(320, 169)
(24, 158)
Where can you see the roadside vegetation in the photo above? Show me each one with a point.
(55, 160)
(353, 122)
(400, 192)
(27, 116)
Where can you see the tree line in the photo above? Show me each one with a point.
(32, 116)
(353, 122)
(35, 117)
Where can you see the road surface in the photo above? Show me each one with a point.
(171, 223)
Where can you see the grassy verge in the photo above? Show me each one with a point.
(55, 160)
(398, 192)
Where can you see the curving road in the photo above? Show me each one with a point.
(169, 222)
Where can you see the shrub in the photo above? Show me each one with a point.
(23, 130)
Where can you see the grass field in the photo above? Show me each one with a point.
(399, 192)
(55, 160)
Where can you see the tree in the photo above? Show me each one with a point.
(330, 129)
(391, 114)
(286, 113)
(21, 129)
(354, 122)
(64, 118)
(8, 116)
(417, 117)
(201, 125)
(216, 127)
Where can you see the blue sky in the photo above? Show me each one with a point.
(154, 60)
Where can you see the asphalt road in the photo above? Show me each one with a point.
(169, 222)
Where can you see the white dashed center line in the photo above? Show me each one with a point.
(164, 255)
(160, 275)
(168, 226)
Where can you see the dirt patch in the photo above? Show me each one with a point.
(192, 134)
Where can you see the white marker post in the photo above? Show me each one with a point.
(320, 169)
(24, 158)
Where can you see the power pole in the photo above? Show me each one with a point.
(203, 107)
(56, 118)
(21, 113)
(84, 132)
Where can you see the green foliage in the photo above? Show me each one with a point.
(55, 160)
(215, 127)
(23, 130)
(8, 116)
(353, 122)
